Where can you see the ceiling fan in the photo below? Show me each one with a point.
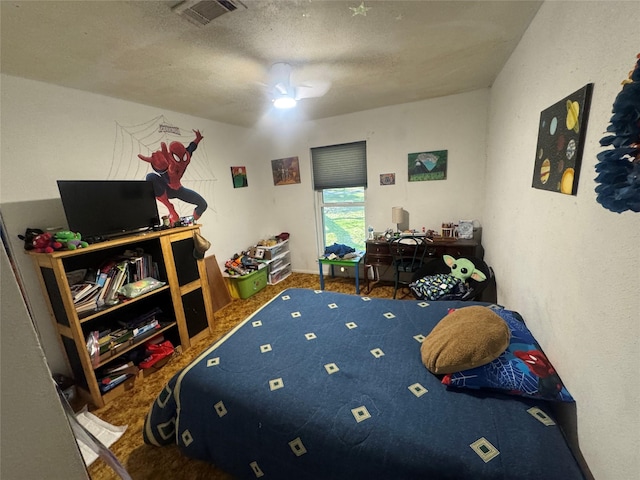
(285, 94)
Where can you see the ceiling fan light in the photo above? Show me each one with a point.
(284, 102)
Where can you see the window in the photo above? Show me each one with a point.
(340, 180)
(342, 213)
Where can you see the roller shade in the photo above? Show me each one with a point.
(340, 166)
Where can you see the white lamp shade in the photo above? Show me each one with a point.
(396, 215)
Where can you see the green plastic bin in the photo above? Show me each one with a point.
(246, 285)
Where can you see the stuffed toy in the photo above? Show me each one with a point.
(45, 243)
(448, 286)
(29, 236)
(70, 240)
(463, 269)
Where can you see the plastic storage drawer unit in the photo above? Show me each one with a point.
(269, 253)
(279, 275)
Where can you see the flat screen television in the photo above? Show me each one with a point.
(101, 209)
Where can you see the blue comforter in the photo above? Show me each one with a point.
(320, 385)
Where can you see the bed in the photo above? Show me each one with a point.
(322, 385)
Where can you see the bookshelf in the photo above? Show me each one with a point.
(184, 300)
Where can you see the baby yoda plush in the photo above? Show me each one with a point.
(463, 269)
(447, 286)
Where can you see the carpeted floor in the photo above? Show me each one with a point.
(146, 462)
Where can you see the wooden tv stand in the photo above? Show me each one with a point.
(185, 301)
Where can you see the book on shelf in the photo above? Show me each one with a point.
(109, 382)
(88, 304)
(103, 333)
(101, 278)
(112, 274)
(83, 290)
(141, 319)
(121, 335)
(138, 263)
(103, 292)
(154, 324)
(105, 339)
(131, 330)
(76, 289)
(127, 368)
(104, 348)
(118, 279)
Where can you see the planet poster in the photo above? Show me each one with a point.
(560, 143)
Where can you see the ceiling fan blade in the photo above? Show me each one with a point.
(312, 89)
(280, 73)
(280, 88)
(280, 84)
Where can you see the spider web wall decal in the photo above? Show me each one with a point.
(146, 138)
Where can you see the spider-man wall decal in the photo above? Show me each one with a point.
(169, 164)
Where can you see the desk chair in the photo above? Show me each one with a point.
(408, 257)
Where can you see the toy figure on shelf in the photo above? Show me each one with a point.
(45, 243)
(169, 164)
(29, 236)
(70, 240)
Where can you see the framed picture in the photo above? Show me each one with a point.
(239, 176)
(387, 179)
(560, 143)
(286, 171)
(424, 166)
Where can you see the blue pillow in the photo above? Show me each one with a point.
(523, 369)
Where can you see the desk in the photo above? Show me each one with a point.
(341, 262)
(378, 254)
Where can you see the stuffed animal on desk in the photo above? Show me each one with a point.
(447, 286)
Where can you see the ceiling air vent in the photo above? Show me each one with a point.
(201, 12)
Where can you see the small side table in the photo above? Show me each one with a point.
(341, 262)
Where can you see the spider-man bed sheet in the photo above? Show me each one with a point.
(321, 385)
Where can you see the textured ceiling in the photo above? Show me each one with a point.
(141, 51)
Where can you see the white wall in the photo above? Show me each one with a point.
(455, 123)
(50, 133)
(37, 441)
(560, 260)
(567, 264)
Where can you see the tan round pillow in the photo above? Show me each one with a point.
(466, 338)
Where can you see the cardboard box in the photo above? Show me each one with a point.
(246, 285)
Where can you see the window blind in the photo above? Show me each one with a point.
(340, 166)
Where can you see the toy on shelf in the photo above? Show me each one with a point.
(70, 240)
(241, 264)
(45, 243)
